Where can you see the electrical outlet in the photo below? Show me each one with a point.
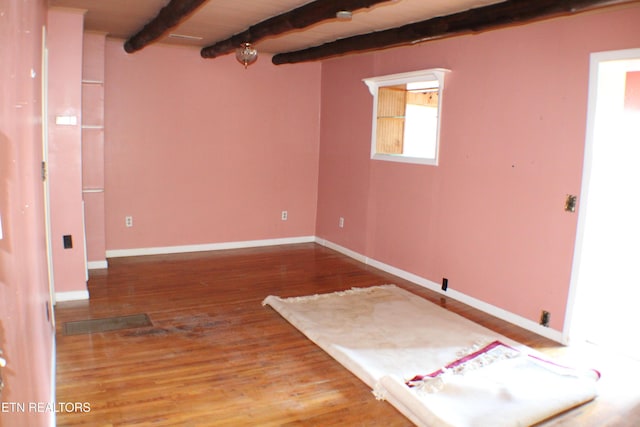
(341, 222)
(285, 215)
(445, 284)
(128, 221)
(545, 317)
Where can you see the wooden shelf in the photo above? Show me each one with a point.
(92, 82)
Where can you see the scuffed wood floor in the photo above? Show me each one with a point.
(216, 357)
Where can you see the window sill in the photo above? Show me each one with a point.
(404, 159)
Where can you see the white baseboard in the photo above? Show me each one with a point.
(72, 296)
(116, 253)
(498, 312)
(97, 265)
(348, 252)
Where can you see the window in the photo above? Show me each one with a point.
(406, 116)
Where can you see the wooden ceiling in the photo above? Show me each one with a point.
(299, 30)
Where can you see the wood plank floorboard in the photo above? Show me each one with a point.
(216, 357)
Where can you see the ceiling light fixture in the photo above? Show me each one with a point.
(246, 54)
(344, 15)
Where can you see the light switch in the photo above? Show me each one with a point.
(570, 203)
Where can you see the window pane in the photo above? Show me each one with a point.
(420, 130)
(406, 116)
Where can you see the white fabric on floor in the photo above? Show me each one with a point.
(386, 335)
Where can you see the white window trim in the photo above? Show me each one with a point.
(373, 83)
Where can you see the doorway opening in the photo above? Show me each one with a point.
(605, 287)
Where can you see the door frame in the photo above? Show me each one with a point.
(45, 178)
(571, 332)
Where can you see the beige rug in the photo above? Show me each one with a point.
(463, 374)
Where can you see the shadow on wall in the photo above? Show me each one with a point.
(6, 171)
(3, 370)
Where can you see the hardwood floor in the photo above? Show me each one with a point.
(216, 357)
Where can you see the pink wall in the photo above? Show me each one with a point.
(64, 44)
(343, 189)
(490, 217)
(26, 335)
(203, 151)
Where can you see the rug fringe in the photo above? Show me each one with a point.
(352, 291)
(379, 391)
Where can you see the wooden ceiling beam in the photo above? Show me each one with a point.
(301, 17)
(169, 17)
(474, 20)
